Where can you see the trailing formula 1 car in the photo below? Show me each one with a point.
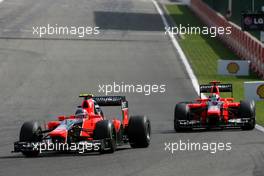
(87, 126)
(214, 111)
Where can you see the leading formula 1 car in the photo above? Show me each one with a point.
(214, 111)
(88, 125)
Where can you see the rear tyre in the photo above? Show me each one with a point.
(139, 131)
(247, 109)
(104, 130)
(181, 112)
(30, 132)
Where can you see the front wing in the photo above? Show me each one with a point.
(232, 123)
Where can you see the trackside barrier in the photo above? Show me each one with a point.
(242, 43)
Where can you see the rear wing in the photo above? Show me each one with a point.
(207, 88)
(111, 101)
(108, 100)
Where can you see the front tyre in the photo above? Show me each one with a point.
(30, 132)
(247, 110)
(181, 112)
(139, 131)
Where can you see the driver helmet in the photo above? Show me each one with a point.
(214, 97)
(81, 113)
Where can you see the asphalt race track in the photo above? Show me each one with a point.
(40, 79)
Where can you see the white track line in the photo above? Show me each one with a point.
(179, 50)
(260, 128)
(183, 58)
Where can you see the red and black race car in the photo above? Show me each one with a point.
(214, 111)
(87, 126)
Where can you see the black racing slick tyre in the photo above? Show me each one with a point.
(247, 109)
(181, 112)
(104, 130)
(30, 132)
(139, 131)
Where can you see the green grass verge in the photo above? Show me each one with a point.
(204, 51)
